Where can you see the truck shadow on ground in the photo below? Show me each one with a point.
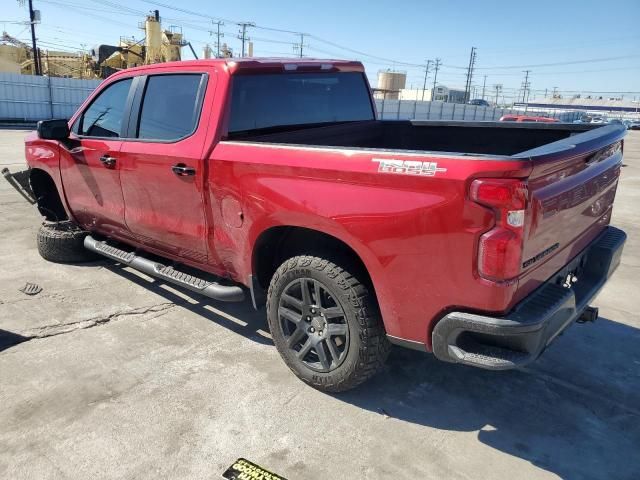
(239, 317)
(9, 339)
(575, 412)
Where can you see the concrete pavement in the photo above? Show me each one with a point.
(108, 373)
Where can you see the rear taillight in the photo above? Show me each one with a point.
(500, 249)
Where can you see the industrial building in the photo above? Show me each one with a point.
(158, 45)
(440, 94)
(391, 86)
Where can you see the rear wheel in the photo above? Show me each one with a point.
(325, 324)
(63, 242)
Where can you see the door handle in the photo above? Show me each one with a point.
(182, 170)
(108, 161)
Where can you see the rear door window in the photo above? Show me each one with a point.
(104, 116)
(171, 107)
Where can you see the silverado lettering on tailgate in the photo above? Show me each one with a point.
(408, 167)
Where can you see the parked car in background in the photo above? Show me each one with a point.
(527, 118)
(583, 119)
(479, 102)
(617, 121)
(631, 124)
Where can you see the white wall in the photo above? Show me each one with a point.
(416, 110)
(32, 98)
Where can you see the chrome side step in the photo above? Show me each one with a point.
(167, 273)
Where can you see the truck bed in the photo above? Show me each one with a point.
(487, 138)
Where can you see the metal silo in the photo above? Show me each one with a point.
(390, 83)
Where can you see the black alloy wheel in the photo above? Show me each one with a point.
(314, 324)
(325, 322)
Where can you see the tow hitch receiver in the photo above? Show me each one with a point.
(20, 181)
(590, 314)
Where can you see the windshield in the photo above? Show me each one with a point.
(280, 100)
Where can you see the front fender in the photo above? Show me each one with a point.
(45, 155)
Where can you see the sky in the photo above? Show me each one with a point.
(588, 46)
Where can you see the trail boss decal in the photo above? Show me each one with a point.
(408, 167)
(245, 470)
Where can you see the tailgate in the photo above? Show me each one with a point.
(571, 190)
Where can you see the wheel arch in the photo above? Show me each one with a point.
(49, 200)
(275, 244)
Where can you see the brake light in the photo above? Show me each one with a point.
(500, 249)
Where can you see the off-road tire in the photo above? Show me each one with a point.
(368, 345)
(63, 242)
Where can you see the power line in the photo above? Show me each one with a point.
(270, 40)
(576, 62)
(384, 59)
(190, 12)
(300, 48)
(358, 52)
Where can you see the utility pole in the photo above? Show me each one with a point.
(484, 84)
(301, 45)
(435, 76)
(36, 56)
(525, 84)
(242, 34)
(219, 35)
(498, 87)
(424, 85)
(472, 62)
(555, 92)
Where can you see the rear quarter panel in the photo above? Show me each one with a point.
(416, 234)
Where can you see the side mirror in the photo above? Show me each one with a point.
(53, 129)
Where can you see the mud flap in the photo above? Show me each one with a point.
(20, 181)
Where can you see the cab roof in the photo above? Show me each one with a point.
(263, 65)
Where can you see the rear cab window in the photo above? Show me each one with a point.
(266, 102)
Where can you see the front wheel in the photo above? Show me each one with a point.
(325, 324)
(63, 242)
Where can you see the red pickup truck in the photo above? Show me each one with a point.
(480, 242)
